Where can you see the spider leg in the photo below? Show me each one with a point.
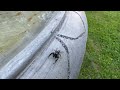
(55, 60)
(50, 54)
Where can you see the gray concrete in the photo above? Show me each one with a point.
(66, 31)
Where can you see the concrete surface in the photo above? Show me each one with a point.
(66, 31)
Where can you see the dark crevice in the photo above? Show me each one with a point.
(66, 49)
(71, 38)
(81, 19)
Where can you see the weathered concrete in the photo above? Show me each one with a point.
(67, 32)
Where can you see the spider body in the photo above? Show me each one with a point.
(56, 54)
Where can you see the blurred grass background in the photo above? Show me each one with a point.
(102, 57)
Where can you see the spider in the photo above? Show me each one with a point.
(56, 54)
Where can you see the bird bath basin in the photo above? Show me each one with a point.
(30, 41)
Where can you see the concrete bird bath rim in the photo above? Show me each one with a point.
(65, 31)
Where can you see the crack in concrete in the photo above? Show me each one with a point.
(66, 49)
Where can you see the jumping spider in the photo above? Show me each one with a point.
(56, 54)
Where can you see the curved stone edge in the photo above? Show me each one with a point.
(19, 62)
(68, 66)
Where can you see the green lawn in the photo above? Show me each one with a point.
(102, 58)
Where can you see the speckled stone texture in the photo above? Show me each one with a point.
(66, 31)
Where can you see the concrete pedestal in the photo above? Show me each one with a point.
(66, 32)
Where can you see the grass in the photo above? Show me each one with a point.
(102, 57)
